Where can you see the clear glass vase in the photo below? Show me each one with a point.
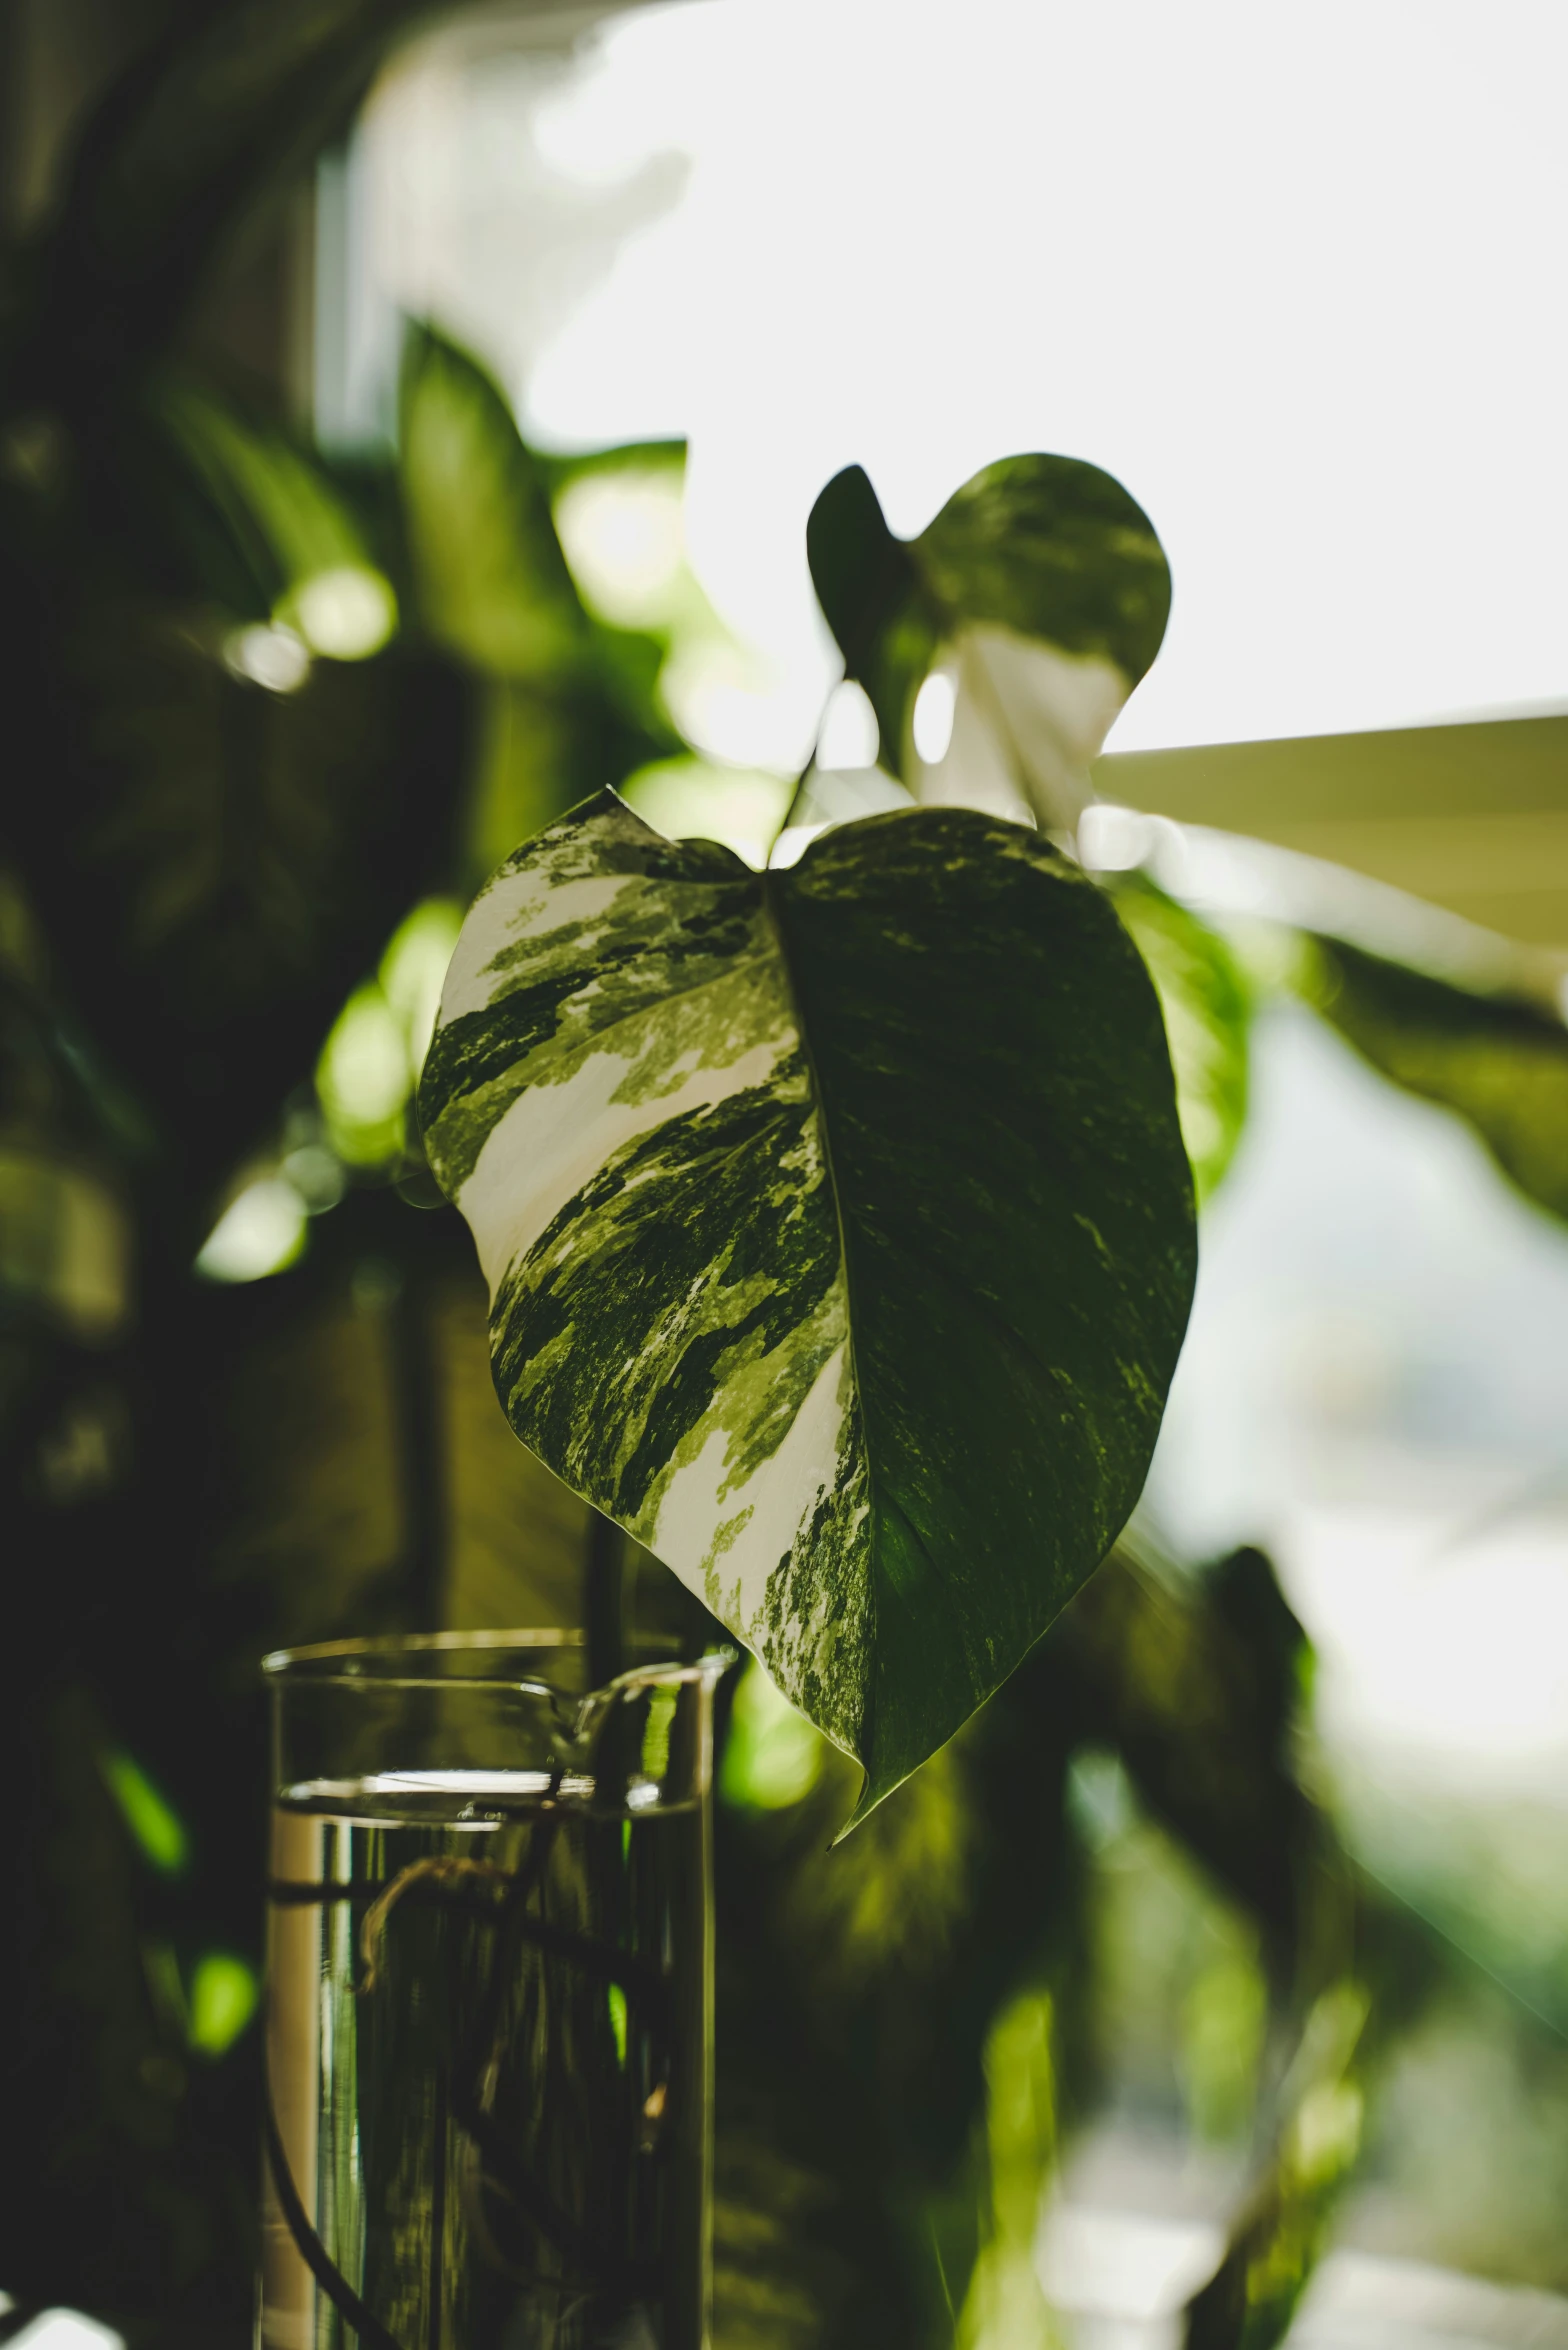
(489, 2004)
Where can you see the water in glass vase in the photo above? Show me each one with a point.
(487, 2067)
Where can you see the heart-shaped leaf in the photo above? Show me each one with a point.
(1040, 594)
(838, 1231)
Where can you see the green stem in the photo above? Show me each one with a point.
(604, 1601)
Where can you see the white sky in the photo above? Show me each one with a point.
(1294, 274)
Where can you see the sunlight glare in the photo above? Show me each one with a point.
(849, 736)
(1337, 398)
(624, 540)
(932, 724)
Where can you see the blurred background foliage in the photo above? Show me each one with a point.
(272, 715)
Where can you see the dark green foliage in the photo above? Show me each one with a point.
(1019, 1249)
(1196, 1691)
(217, 864)
(200, 130)
(194, 871)
(858, 1987)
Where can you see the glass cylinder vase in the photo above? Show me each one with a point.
(489, 2006)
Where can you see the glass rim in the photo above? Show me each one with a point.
(280, 1664)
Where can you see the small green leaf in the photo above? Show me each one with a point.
(838, 1231)
(152, 1820)
(867, 583)
(1207, 1006)
(287, 519)
(567, 702)
(224, 1994)
(493, 583)
(1499, 1061)
(1040, 590)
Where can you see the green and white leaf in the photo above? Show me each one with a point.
(1040, 592)
(837, 1226)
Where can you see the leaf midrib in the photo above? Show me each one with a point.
(774, 894)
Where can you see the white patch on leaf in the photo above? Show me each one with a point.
(555, 1139)
(1028, 722)
(780, 1495)
(518, 906)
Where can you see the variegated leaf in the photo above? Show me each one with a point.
(1039, 592)
(837, 1226)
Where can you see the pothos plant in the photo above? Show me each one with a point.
(838, 1229)
(969, 1149)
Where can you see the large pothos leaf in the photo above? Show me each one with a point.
(1040, 590)
(838, 1231)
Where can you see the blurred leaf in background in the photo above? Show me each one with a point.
(1499, 1062)
(569, 702)
(1206, 1001)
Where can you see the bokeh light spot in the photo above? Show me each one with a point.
(261, 1231)
(152, 1820)
(273, 657)
(223, 1998)
(932, 723)
(347, 613)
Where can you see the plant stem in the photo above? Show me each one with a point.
(604, 1599)
(417, 1403)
